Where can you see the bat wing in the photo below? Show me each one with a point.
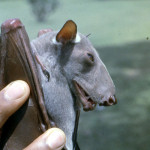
(17, 62)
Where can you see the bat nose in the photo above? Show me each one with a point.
(110, 101)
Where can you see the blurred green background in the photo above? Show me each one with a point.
(120, 31)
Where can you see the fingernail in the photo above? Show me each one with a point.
(15, 90)
(56, 140)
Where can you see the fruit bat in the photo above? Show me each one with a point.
(64, 72)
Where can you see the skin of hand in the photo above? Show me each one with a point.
(12, 97)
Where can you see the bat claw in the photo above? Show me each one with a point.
(46, 73)
(11, 24)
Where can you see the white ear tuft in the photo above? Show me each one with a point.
(55, 42)
(77, 39)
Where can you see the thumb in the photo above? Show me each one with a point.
(12, 97)
(52, 139)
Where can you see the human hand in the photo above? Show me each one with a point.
(12, 97)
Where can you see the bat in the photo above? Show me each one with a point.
(64, 72)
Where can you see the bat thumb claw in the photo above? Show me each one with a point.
(46, 73)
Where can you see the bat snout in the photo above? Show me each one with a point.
(108, 102)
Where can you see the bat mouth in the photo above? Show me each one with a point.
(86, 100)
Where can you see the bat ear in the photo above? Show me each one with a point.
(67, 33)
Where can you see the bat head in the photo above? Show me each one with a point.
(83, 68)
(85, 72)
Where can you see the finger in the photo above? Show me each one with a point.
(52, 139)
(12, 97)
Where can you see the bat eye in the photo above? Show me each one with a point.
(91, 57)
